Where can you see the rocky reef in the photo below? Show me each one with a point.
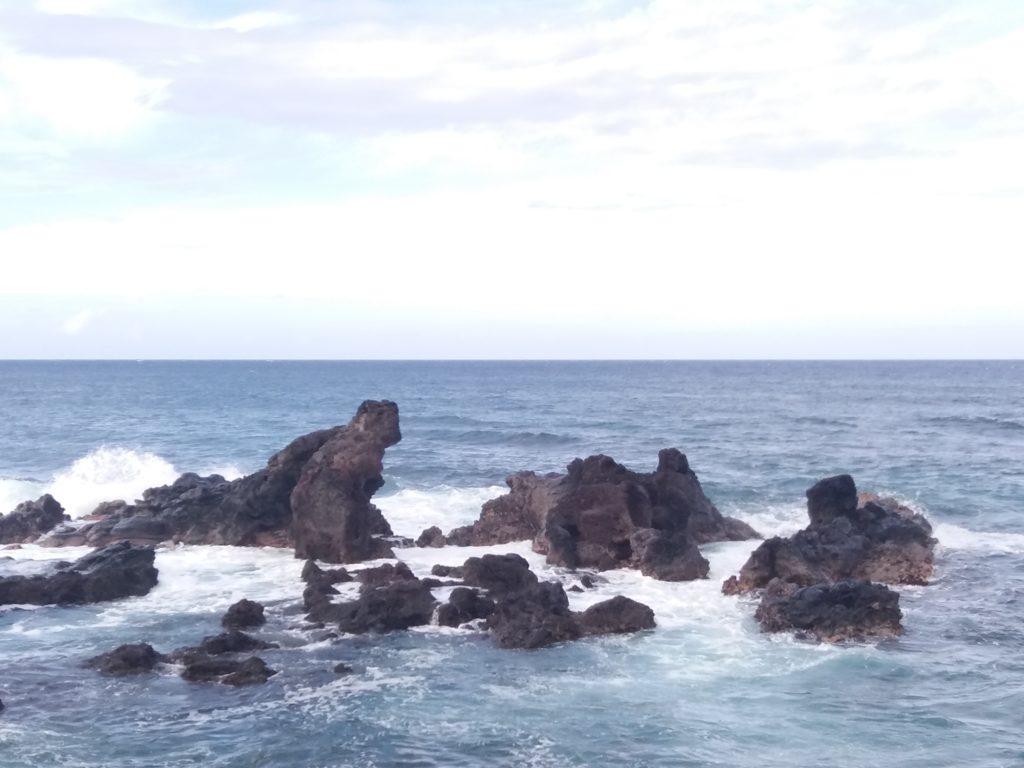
(113, 572)
(313, 495)
(828, 580)
(602, 515)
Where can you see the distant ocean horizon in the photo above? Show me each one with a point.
(705, 688)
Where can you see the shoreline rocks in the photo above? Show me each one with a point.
(602, 515)
(31, 519)
(845, 610)
(110, 573)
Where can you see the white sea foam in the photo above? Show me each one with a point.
(107, 473)
(955, 537)
(410, 511)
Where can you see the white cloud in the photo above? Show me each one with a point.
(77, 322)
(81, 98)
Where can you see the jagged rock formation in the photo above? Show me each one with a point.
(116, 571)
(845, 610)
(31, 519)
(864, 538)
(243, 615)
(314, 493)
(603, 515)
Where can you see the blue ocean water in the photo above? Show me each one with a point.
(704, 689)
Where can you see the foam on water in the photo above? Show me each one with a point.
(107, 473)
(410, 511)
(959, 538)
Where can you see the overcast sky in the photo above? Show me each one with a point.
(460, 179)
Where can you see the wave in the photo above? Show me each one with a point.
(410, 511)
(500, 437)
(958, 538)
(985, 422)
(107, 473)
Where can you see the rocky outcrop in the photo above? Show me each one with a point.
(386, 608)
(130, 659)
(602, 515)
(116, 571)
(243, 615)
(331, 474)
(431, 537)
(874, 540)
(332, 517)
(31, 519)
(846, 610)
(523, 612)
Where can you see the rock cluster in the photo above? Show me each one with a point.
(31, 519)
(314, 494)
(602, 515)
(822, 580)
(113, 572)
(215, 659)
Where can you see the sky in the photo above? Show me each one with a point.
(462, 179)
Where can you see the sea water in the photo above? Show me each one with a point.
(705, 688)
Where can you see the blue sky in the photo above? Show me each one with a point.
(511, 179)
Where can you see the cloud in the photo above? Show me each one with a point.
(76, 323)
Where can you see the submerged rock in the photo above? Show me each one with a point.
(602, 515)
(129, 659)
(31, 519)
(332, 517)
(251, 671)
(876, 540)
(846, 610)
(115, 571)
(244, 614)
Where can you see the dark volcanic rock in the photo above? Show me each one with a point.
(132, 659)
(384, 574)
(846, 610)
(31, 519)
(244, 614)
(333, 519)
(444, 571)
(343, 669)
(589, 516)
(464, 605)
(431, 537)
(257, 510)
(228, 671)
(534, 617)
(395, 606)
(500, 575)
(876, 541)
(668, 556)
(617, 615)
(116, 571)
(232, 642)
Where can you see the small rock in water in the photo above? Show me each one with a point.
(129, 659)
(244, 614)
(343, 669)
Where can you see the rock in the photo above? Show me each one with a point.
(2, 707)
(881, 542)
(228, 671)
(315, 575)
(845, 610)
(232, 642)
(131, 659)
(464, 605)
(668, 556)
(534, 617)
(115, 571)
(588, 517)
(244, 614)
(332, 517)
(255, 510)
(431, 537)
(31, 519)
(500, 575)
(617, 615)
(444, 571)
(384, 574)
(343, 669)
(395, 606)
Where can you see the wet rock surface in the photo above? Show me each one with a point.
(31, 519)
(244, 614)
(845, 610)
(864, 538)
(602, 515)
(129, 659)
(110, 573)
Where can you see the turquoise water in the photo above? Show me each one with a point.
(704, 689)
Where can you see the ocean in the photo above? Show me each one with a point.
(705, 688)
